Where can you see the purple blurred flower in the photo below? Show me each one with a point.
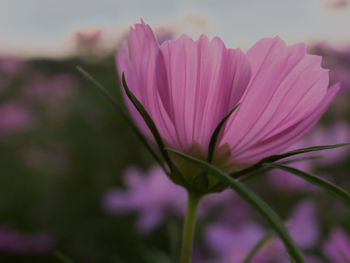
(12, 241)
(150, 194)
(12, 65)
(231, 243)
(337, 246)
(14, 118)
(51, 88)
(284, 181)
(337, 59)
(337, 133)
(51, 91)
(303, 224)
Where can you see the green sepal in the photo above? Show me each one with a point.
(174, 174)
(215, 135)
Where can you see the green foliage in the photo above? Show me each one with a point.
(254, 201)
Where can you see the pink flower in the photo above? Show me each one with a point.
(232, 243)
(151, 195)
(336, 133)
(14, 118)
(188, 86)
(337, 247)
(12, 65)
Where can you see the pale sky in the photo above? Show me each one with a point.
(35, 26)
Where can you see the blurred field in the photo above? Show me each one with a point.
(63, 146)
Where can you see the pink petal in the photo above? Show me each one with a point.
(285, 87)
(203, 81)
(281, 141)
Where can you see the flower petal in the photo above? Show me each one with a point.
(204, 80)
(136, 58)
(278, 142)
(286, 86)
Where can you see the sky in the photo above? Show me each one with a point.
(33, 27)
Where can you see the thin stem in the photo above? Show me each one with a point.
(258, 246)
(189, 227)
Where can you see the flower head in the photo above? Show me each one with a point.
(189, 86)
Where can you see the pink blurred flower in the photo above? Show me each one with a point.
(337, 246)
(231, 243)
(284, 181)
(51, 91)
(337, 4)
(336, 133)
(12, 65)
(88, 37)
(189, 86)
(164, 34)
(51, 88)
(336, 59)
(14, 118)
(152, 195)
(12, 241)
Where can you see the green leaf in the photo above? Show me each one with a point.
(274, 158)
(150, 124)
(254, 200)
(62, 257)
(290, 259)
(124, 115)
(265, 169)
(150, 255)
(215, 135)
(258, 246)
(322, 183)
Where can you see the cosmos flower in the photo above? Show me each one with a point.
(154, 197)
(337, 246)
(188, 87)
(14, 118)
(232, 242)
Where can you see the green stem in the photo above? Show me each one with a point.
(189, 227)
